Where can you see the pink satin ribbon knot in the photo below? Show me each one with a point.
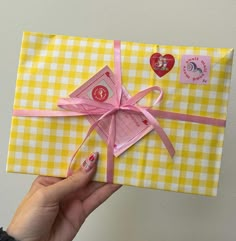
(105, 109)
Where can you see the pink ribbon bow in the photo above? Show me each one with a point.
(105, 109)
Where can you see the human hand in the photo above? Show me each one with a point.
(55, 208)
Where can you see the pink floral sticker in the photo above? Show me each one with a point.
(195, 69)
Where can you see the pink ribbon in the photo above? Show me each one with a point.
(105, 109)
(73, 108)
(73, 104)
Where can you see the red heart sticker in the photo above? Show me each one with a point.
(161, 65)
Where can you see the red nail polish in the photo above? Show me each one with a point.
(91, 158)
(89, 163)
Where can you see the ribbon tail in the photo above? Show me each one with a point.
(69, 171)
(93, 126)
(165, 139)
(110, 149)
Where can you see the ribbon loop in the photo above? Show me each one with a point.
(79, 104)
(140, 95)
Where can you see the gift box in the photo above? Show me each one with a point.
(176, 128)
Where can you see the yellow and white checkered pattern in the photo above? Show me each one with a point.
(52, 66)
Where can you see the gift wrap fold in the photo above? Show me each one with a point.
(192, 112)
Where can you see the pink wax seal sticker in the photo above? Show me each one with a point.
(100, 93)
(162, 64)
(195, 69)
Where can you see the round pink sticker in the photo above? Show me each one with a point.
(100, 93)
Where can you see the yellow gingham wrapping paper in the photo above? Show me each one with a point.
(53, 66)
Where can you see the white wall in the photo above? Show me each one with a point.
(132, 214)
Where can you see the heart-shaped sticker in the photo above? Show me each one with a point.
(161, 65)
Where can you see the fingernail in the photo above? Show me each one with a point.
(90, 162)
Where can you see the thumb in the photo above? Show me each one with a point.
(79, 179)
